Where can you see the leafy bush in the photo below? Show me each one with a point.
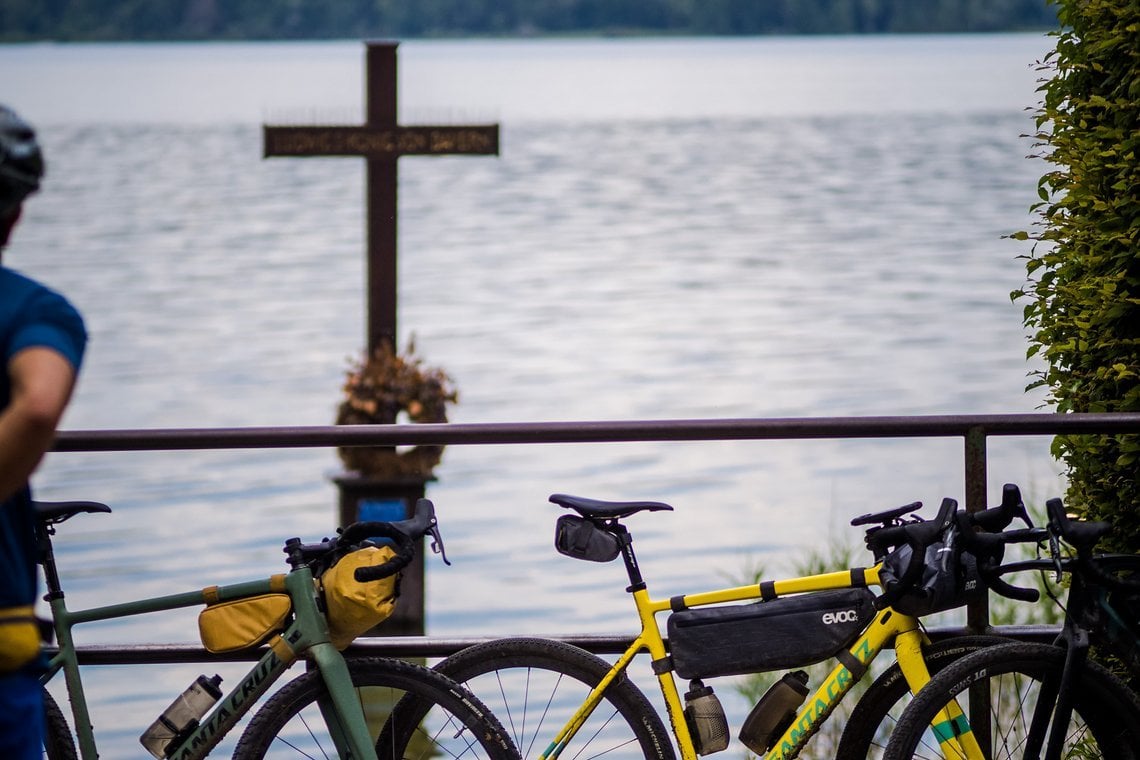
(1084, 269)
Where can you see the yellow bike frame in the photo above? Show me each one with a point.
(887, 627)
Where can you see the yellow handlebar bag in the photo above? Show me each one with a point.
(19, 638)
(242, 623)
(354, 607)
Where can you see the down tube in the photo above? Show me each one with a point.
(831, 692)
(235, 704)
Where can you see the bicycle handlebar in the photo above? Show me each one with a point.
(918, 536)
(980, 533)
(402, 533)
(989, 548)
(1082, 535)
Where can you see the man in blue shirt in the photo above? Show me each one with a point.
(42, 339)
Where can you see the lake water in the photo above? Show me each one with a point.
(690, 228)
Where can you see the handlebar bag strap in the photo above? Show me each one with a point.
(19, 638)
(242, 623)
(354, 607)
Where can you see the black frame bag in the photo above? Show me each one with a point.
(788, 632)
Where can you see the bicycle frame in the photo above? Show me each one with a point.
(307, 633)
(889, 625)
(1056, 704)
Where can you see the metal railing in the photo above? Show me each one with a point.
(974, 430)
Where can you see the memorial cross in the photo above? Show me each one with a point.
(381, 140)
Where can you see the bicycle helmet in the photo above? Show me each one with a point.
(21, 163)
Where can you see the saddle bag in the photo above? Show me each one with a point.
(792, 632)
(579, 538)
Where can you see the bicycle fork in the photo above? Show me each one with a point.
(950, 726)
(1056, 700)
(343, 712)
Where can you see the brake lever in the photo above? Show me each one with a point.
(437, 542)
(1055, 550)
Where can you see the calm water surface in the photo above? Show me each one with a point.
(674, 229)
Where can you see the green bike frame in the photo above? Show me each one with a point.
(307, 633)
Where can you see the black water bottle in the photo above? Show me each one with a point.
(774, 712)
(705, 716)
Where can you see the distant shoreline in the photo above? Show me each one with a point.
(308, 20)
(551, 36)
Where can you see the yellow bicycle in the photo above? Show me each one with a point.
(558, 700)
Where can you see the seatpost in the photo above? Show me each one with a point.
(625, 541)
(47, 560)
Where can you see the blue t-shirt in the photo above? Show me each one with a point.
(30, 315)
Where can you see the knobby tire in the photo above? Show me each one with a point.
(533, 685)
(1106, 715)
(58, 741)
(453, 724)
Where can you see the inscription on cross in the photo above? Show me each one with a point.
(381, 140)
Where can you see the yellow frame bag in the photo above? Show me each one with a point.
(354, 607)
(242, 623)
(19, 637)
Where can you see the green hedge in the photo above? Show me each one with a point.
(1083, 291)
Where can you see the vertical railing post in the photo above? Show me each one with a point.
(978, 612)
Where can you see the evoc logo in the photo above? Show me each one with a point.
(843, 616)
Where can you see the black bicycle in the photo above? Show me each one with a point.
(1047, 701)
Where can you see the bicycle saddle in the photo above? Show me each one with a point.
(607, 510)
(58, 511)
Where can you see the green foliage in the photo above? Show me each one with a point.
(1084, 269)
(79, 20)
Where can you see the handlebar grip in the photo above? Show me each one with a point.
(1082, 535)
(997, 519)
(881, 539)
(1008, 590)
(414, 527)
(405, 550)
(404, 533)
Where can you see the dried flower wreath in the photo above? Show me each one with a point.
(376, 392)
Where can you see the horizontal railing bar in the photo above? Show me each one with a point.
(594, 432)
(435, 646)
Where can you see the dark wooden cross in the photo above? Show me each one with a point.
(381, 140)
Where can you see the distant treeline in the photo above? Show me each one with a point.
(85, 20)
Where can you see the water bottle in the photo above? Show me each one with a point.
(182, 716)
(774, 712)
(706, 720)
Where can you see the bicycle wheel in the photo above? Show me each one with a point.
(1105, 722)
(873, 719)
(58, 742)
(535, 685)
(455, 725)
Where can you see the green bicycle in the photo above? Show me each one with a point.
(559, 700)
(338, 708)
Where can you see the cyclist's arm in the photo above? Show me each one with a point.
(41, 381)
